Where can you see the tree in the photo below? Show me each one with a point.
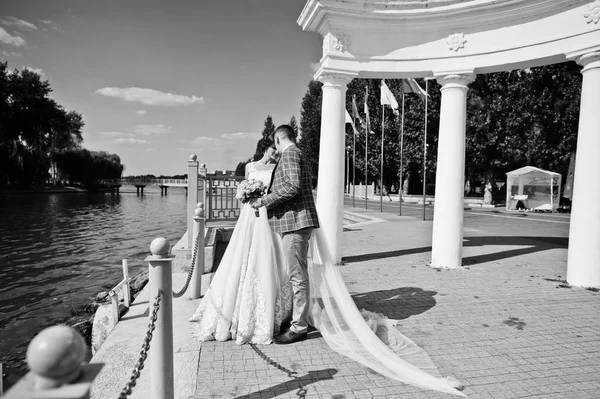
(87, 167)
(310, 127)
(33, 126)
(294, 126)
(524, 117)
(265, 140)
(240, 169)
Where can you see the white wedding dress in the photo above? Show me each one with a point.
(250, 297)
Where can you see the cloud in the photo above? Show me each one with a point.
(131, 140)
(314, 66)
(149, 96)
(141, 112)
(36, 70)
(112, 134)
(50, 24)
(11, 54)
(18, 23)
(7, 38)
(147, 130)
(241, 136)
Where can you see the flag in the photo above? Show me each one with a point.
(411, 86)
(350, 121)
(367, 118)
(348, 117)
(387, 98)
(355, 113)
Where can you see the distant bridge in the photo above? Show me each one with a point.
(220, 200)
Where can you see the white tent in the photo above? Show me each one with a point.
(536, 188)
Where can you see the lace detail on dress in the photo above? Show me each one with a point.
(206, 318)
(259, 171)
(244, 297)
(250, 321)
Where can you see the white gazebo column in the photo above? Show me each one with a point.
(450, 174)
(583, 264)
(330, 190)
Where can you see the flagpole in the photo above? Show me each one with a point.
(367, 123)
(425, 149)
(381, 173)
(401, 155)
(347, 189)
(354, 162)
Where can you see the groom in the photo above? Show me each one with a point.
(292, 214)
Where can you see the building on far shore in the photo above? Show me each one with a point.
(224, 172)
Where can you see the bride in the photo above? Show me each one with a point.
(250, 298)
(246, 301)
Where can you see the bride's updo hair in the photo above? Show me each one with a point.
(263, 146)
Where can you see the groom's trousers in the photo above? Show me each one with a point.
(295, 247)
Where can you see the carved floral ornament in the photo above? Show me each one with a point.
(594, 12)
(457, 41)
(341, 42)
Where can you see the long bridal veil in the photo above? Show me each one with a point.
(365, 337)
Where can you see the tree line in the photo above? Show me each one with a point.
(40, 141)
(514, 118)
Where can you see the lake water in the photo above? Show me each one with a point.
(58, 251)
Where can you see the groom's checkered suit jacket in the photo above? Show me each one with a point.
(289, 201)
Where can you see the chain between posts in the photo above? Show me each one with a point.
(135, 374)
(189, 277)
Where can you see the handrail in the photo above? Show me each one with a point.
(114, 293)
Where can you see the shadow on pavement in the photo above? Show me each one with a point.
(296, 382)
(383, 255)
(534, 244)
(398, 303)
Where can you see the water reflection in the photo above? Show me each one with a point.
(60, 250)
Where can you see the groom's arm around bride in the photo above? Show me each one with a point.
(292, 213)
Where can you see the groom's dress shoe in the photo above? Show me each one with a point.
(289, 337)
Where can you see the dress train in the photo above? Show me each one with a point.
(367, 337)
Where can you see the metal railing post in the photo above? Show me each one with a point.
(161, 350)
(55, 357)
(126, 288)
(192, 194)
(202, 172)
(199, 231)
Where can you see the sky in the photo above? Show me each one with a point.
(157, 81)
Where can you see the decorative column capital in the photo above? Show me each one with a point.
(458, 80)
(330, 79)
(589, 60)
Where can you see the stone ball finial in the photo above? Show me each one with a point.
(160, 247)
(55, 355)
(193, 157)
(199, 212)
(203, 166)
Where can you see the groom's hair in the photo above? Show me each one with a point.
(285, 131)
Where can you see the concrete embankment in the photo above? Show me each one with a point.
(121, 350)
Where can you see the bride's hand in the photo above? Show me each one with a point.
(256, 203)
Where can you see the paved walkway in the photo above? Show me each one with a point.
(506, 326)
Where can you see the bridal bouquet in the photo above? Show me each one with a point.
(250, 189)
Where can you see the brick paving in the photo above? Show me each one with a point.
(506, 325)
